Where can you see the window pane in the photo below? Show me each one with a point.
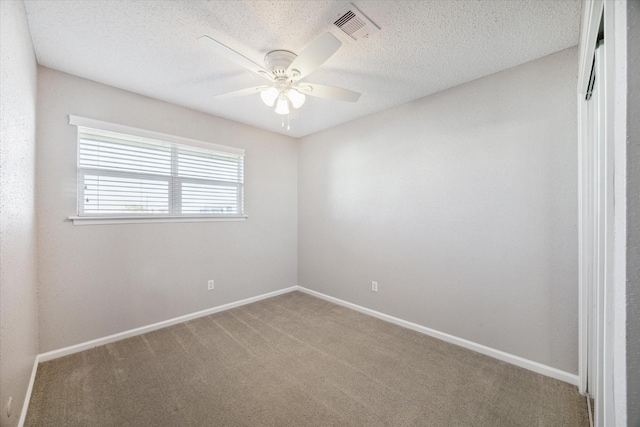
(195, 163)
(121, 174)
(118, 195)
(209, 199)
(125, 156)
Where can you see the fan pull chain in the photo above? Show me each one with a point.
(282, 121)
(288, 126)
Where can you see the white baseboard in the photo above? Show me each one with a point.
(50, 355)
(27, 397)
(497, 354)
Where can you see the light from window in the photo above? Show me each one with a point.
(121, 175)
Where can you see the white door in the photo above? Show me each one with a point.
(597, 243)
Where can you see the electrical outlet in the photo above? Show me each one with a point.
(210, 285)
(374, 286)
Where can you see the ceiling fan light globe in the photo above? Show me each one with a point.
(297, 98)
(282, 107)
(269, 96)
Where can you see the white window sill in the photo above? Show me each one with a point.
(96, 220)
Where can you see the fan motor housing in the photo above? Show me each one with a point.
(277, 62)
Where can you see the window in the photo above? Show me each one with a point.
(125, 175)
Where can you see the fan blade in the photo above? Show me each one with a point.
(328, 92)
(224, 51)
(241, 92)
(314, 55)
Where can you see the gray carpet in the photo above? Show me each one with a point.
(294, 360)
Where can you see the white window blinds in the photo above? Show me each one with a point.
(127, 175)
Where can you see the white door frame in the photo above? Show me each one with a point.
(592, 15)
(602, 213)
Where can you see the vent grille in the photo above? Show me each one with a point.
(349, 23)
(355, 24)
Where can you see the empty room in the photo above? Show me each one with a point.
(314, 213)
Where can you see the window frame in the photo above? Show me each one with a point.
(82, 218)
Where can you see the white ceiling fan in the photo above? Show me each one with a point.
(285, 70)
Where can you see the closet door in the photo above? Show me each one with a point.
(597, 245)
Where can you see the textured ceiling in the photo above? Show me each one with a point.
(151, 48)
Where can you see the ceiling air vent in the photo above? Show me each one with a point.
(355, 24)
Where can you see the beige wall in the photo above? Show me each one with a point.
(18, 290)
(102, 279)
(461, 205)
